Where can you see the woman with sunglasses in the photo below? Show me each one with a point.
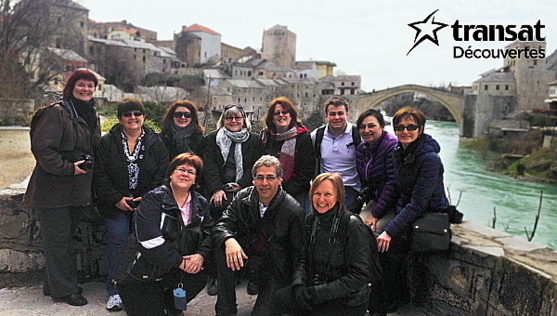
(419, 184)
(131, 160)
(288, 139)
(181, 131)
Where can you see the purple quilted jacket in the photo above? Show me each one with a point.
(376, 169)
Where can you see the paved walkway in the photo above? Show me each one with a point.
(26, 301)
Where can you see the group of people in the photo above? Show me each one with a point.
(282, 209)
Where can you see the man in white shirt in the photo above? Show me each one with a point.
(335, 148)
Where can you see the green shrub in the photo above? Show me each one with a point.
(107, 124)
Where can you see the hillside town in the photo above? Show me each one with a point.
(195, 64)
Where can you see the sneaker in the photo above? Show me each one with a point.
(114, 303)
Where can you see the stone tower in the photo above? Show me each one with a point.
(531, 77)
(279, 46)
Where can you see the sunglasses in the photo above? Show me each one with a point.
(277, 113)
(409, 127)
(228, 107)
(129, 114)
(182, 114)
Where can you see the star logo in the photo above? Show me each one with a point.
(429, 28)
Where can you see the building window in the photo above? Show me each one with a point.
(506, 87)
(496, 87)
(342, 83)
(535, 62)
(353, 83)
(485, 87)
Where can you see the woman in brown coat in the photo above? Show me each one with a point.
(63, 140)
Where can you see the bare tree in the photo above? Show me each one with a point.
(27, 29)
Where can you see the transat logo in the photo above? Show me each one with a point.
(426, 30)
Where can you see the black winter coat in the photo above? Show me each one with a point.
(339, 270)
(111, 179)
(213, 171)
(58, 139)
(241, 220)
(304, 163)
(161, 237)
(419, 181)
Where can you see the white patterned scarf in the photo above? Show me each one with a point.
(225, 139)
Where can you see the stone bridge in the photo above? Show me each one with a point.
(454, 102)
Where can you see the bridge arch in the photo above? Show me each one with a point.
(454, 102)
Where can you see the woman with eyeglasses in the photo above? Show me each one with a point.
(64, 136)
(131, 160)
(171, 244)
(181, 131)
(229, 153)
(286, 138)
(419, 184)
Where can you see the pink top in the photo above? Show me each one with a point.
(185, 210)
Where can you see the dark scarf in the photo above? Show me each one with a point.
(86, 110)
(181, 137)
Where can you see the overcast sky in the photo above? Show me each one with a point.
(363, 37)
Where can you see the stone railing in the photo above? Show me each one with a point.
(16, 111)
(486, 272)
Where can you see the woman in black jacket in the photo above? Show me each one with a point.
(171, 243)
(340, 258)
(288, 139)
(131, 160)
(181, 131)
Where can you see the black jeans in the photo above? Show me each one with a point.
(154, 297)
(285, 302)
(226, 284)
(58, 227)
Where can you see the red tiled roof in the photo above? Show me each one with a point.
(199, 28)
(126, 30)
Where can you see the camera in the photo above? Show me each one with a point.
(88, 164)
(227, 187)
(318, 279)
(132, 203)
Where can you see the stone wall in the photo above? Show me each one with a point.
(486, 272)
(16, 112)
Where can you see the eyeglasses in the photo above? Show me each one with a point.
(409, 127)
(339, 113)
(183, 114)
(188, 171)
(268, 178)
(370, 126)
(277, 113)
(129, 114)
(234, 118)
(228, 107)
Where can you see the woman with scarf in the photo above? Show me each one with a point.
(181, 131)
(131, 160)
(64, 136)
(287, 139)
(229, 153)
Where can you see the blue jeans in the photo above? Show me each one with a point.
(350, 202)
(118, 231)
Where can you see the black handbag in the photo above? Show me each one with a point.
(431, 232)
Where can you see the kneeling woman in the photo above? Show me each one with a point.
(171, 244)
(340, 259)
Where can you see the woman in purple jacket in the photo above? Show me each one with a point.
(376, 168)
(375, 164)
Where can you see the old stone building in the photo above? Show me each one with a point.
(531, 76)
(279, 46)
(102, 29)
(197, 44)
